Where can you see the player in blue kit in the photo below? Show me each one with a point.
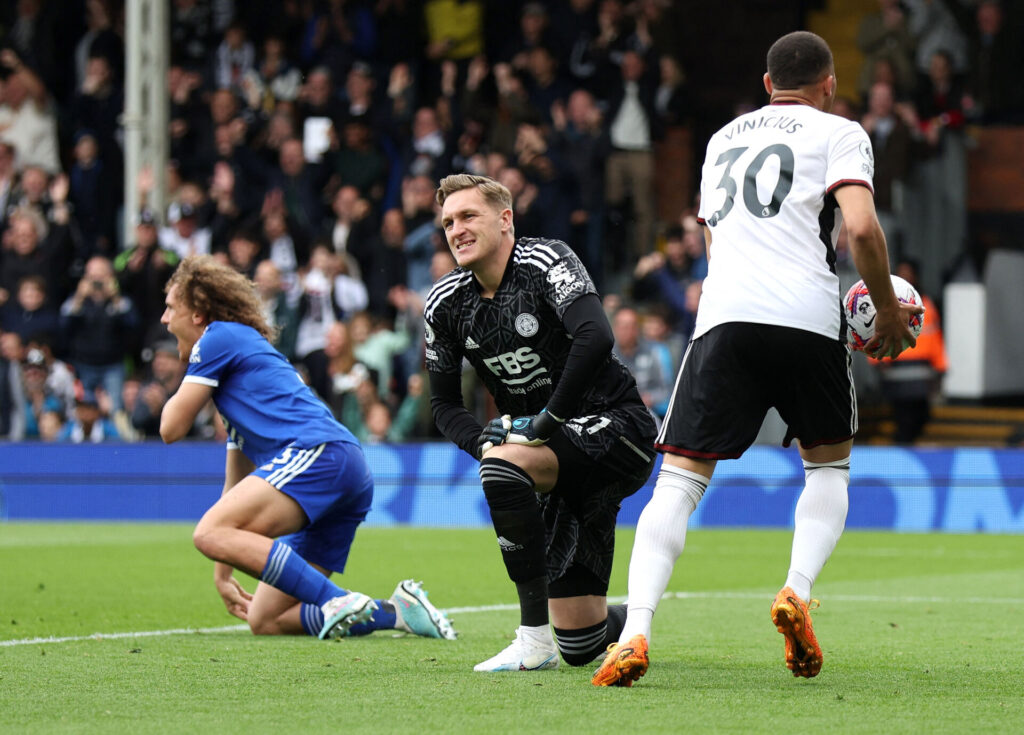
(296, 484)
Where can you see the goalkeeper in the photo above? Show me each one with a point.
(575, 439)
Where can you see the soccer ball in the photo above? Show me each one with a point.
(860, 312)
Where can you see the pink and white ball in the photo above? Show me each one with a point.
(860, 311)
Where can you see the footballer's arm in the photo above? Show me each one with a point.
(236, 598)
(592, 342)
(181, 410)
(871, 258)
(450, 414)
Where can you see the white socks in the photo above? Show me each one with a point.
(819, 520)
(660, 537)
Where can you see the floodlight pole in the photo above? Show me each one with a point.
(147, 104)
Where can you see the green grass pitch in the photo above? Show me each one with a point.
(921, 634)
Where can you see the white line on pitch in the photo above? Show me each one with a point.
(507, 607)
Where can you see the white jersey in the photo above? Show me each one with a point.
(766, 194)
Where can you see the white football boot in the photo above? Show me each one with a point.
(530, 651)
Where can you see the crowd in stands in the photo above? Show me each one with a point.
(306, 140)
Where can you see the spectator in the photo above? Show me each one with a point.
(375, 423)
(582, 145)
(122, 417)
(672, 98)
(27, 117)
(426, 151)
(12, 414)
(317, 99)
(89, 424)
(532, 32)
(51, 426)
(185, 236)
(360, 162)
(317, 312)
(99, 322)
(99, 39)
(243, 254)
(937, 207)
(166, 372)
(275, 79)
(60, 378)
(935, 28)
(277, 310)
(389, 265)
(539, 162)
(186, 110)
(98, 106)
(191, 33)
(597, 64)
(885, 36)
(28, 314)
(656, 328)
(422, 238)
(234, 58)
(142, 270)
(360, 99)
(994, 58)
(663, 277)
(377, 345)
(350, 228)
(93, 195)
(301, 185)
(349, 292)
(286, 247)
(8, 181)
(32, 249)
(546, 86)
(650, 363)
(346, 373)
(633, 126)
(232, 199)
(36, 395)
(455, 32)
(892, 140)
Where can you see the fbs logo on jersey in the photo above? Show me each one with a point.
(193, 356)
(471, 344)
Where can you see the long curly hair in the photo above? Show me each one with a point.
(220, 293)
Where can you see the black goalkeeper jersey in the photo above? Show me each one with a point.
(516, 341)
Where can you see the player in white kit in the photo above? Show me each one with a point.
(777, 185)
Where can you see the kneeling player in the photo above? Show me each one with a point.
(296, 483)
(527, 317)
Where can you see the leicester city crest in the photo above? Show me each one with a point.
(527, 324)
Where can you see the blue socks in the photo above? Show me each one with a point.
(287, 571)
(290, 573)
(312, 618)
(384, 618)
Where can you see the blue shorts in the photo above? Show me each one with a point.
(333, 485)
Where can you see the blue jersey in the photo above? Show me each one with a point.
(264, 403)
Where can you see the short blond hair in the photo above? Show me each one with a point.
(493, 192)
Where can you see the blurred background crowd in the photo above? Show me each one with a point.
(307, 137)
